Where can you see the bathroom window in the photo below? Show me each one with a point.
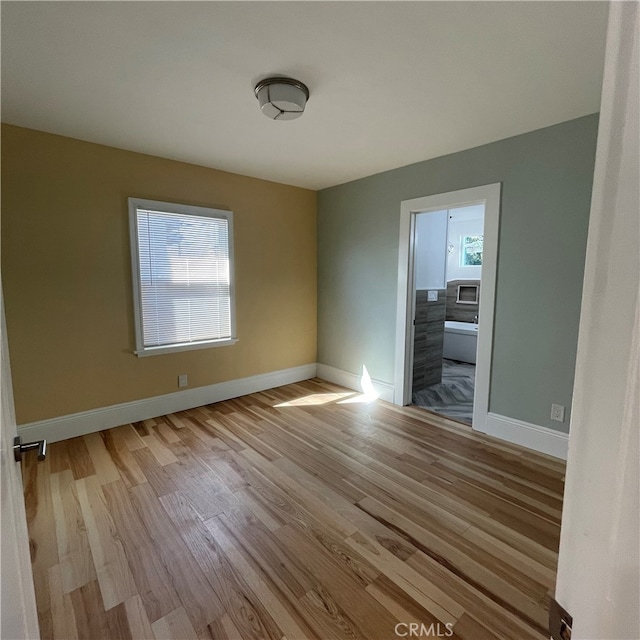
(182, 259)
(471, 253)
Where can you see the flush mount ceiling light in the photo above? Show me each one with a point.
(282, 98)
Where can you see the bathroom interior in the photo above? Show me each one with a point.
(448, 274)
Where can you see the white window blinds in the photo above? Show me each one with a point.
(184, 276)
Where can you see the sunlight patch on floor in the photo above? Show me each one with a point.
(315, 399)
(369, 394)
(362, 398)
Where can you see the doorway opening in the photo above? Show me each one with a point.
(447, 305)
(446, 291)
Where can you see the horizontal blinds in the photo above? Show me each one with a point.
(184, 277)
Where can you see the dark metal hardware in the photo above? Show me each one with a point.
(560, 621)
(19, 448)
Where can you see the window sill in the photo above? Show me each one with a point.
(186, 346)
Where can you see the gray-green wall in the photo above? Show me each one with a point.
(546, 178)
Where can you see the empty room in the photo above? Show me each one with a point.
(320, 320)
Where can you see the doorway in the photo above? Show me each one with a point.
(447, 286)
(431, 213)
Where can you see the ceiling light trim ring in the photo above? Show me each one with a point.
(267, 82)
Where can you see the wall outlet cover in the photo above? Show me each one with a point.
(432, 296)
(557, 412)
(183, 381)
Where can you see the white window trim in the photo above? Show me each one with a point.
(169, 207)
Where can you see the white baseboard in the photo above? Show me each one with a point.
(353, 381)
(78, 424)
(528, 435)
(542, 439)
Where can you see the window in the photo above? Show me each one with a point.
(182, 260)
(471, 254)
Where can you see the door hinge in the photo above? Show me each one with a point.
(560, 621)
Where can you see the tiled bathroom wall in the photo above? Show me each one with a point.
(461, 312)
(428, 340)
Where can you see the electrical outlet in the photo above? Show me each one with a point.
(432, 296)
(557, 412)
(182, 380)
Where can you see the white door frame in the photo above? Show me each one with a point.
(17, 598)
(489, 195)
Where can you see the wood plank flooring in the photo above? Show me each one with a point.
(289, 514)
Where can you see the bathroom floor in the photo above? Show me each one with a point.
(453, 397)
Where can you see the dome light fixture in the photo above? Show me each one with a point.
(282, 98)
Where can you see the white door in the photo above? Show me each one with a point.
(17, 602)
(599, 562)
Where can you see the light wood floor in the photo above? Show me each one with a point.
(293, 513)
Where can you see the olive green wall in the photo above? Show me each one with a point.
(66, 272)
(546, 178)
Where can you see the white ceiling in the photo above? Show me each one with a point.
(391, 83)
